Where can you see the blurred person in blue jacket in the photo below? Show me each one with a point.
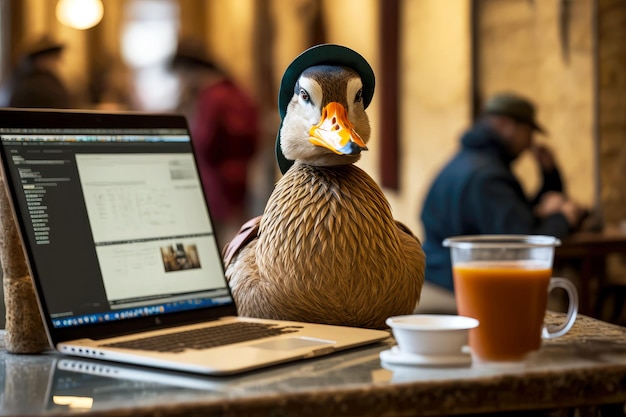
(477, 193)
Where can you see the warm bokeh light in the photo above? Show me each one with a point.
(82, 403)
(80, 14)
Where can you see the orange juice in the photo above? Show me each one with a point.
(509, 299)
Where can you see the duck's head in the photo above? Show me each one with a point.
(323, 96)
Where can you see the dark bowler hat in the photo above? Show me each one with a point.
(191, 52)
(324, 54)
(42, 45)
(515, 107)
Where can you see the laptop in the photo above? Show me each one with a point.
(122, 251)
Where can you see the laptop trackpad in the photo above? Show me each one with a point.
(291, 343)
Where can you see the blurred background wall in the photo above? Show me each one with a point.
(449, 55)
(544, 49)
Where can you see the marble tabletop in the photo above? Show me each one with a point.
(585, 368)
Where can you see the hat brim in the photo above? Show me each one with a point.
(182, 61)
(324, 54)
(44, 51)
(536, 126)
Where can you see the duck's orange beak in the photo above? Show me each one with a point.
(335, 132)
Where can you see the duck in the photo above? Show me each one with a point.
(326, 248)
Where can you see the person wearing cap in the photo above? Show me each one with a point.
(477, 193)
(224, 125)
(35, 82)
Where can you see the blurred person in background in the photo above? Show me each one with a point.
(477, 192)
(35, 82)
(225, 131)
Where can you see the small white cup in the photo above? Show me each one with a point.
(431, 334)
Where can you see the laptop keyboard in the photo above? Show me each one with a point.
(206, 337)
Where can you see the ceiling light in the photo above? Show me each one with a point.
(80, 14)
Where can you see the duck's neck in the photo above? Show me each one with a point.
(318, 210)
(339, 191)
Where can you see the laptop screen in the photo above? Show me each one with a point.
(115, 220)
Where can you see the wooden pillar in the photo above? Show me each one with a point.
(477, 99)
(388, 91)
(193, 23)
(16, 29)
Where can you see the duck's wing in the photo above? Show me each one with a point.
(247, 233)
(406, 230)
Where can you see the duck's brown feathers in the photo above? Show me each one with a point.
(328, 251)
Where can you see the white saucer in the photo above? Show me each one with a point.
(396, 357)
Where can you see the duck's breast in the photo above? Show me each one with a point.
(325, 222)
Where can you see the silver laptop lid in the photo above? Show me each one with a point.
(114, 221)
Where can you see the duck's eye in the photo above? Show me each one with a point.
(304, 95)
(359, 97)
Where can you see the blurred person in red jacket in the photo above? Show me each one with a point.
(225, 132)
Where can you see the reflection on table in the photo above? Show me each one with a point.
(584, 369)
